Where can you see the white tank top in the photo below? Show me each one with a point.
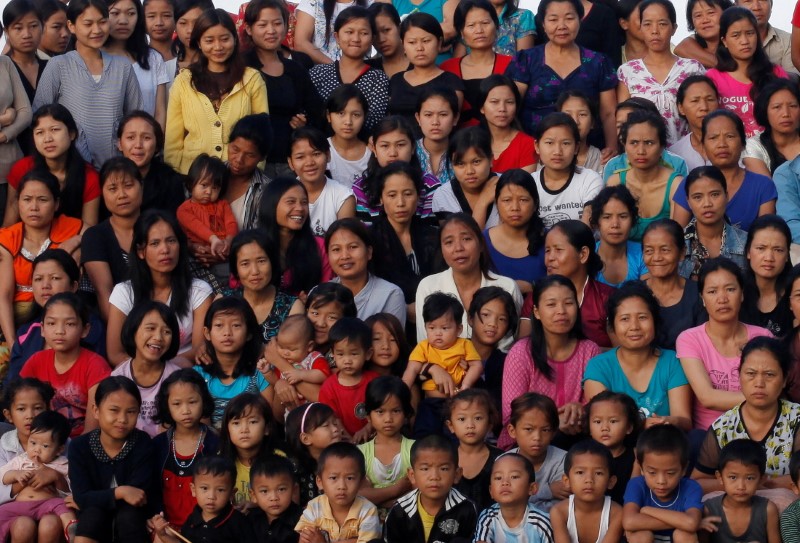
(572, 526)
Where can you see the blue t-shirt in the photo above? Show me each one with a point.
(529, 268)
(742, 209)
(535, 527)
(668, 374)
(620, 163)
(689, 495)
(636, 267)
(223, 393)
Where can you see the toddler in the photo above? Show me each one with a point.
(272, 485)
(301, 363)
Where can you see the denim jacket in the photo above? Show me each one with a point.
(733, 242)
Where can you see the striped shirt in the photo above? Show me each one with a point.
(361, 524)
(96, 106)
(492, 527)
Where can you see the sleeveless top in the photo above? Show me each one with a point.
(572, 526)
(756, 530)
(638, 229)
(382, 475)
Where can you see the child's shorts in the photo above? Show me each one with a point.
(10, 511)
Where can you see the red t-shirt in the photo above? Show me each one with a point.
(347, 401)
(72, 386)
(519, 154)
(314, 361)
(91, 184)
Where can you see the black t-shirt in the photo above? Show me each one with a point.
(279, 530)
(403, 97)
(477, 488)
(230, 525)
(621, 467)
(99, 244)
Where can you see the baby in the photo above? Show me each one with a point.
(295, 343)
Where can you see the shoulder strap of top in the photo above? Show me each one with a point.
(604, 517)
(672, 177)
(572, 527)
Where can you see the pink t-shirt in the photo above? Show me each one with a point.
(520, 376)
(149, 395)
(735, 96)
(695, 343)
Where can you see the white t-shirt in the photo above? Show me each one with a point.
(149, 80)
(122, 298)
(323, 212)
(444, 201)
(683, 148)
(567, 203)
(347, 171)
(149, 395)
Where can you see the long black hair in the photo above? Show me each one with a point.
(137, 45)
(182, 7)
(386, 125)
(524, 180)
(761, 114)
(251, 350)
(328, 7)
(751, 291)
(214, 87)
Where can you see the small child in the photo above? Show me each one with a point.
(739, 511)
(512, 518)
(295, 343)
(351, 342)
(45, 447)
(340, 513)
(662, 496)
(790, 518)
(589, 514)
(434, 511)
(214, 519)
(272, 485)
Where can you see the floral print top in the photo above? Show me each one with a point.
(516, 26)
(640, 82)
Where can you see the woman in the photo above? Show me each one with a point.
(709, 353)
(313, 32)
(543, 72)
(41, 227)
(476, 22)
(703, 17)
(107, 245)
(96, 88)
(293, 101)
(750, 195)
(254, 264)
(768, 266)
(709, 235)
(409, 246)
(350, 248)
(762, 416)
(353, 33)
(248, 146)
(15, 116)
(778, 111)
(386, 21)
(678, 298)
(552, 360)
(159, 270)
(516, 244)
(637, 366)
(140, 138)
(658, 75)
(217, 90)
(283, 215)
(697, 97)
(614, 215)
(464, 251)
(186, 14)
(499, 102)
(55, 30)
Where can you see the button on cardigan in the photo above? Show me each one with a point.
(193, 127)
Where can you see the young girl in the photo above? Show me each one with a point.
(72, 370)
(183, 401)
(159, 19)
(470, 415)
(95, 87)
(313, 34)
(387, 41)
(309, 429)
(186, 14)
(110, 468)
(346, 110)
(437, 116)
(392, 140)
(584, 112)
(743, 67)
(533, 423)
(245, 437)
(328, 200)
(55, 31)
(511, 147)
(390, 348)
(150, 336)
(613, 420)
(232, 344)
(388, 455)
(614, 215)
(24, 399)
(565, 189)
(473, 190)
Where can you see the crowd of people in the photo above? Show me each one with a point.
(409, 271)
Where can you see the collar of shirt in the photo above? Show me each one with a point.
(196, 518)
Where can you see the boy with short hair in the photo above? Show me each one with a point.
(339, 514)
(272, 485)
(588, 514)
(790, 518)
(662, 504)
(742, 464)
(344, 392)
(435, 511)
(214, 519)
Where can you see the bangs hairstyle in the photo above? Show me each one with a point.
(436, 443)
(315, 138)
(538, 340)
(215, 466)
(470, 396)
(644, 117)
(392, 324)
(353, 13)
(45, 390)
(774, 347)
(465, 6)
(304, 420)
(72, 300)
(694, 79)
(327, 293)
(492, 82)
(554, 120)
(380, 389)
(134, 321)
(137, 45)
(202, 80)
(619, 193)
(719, 264)
(343, 451)
(640, 290)
(351, 330)
(672, 228)
(240, 406)
(722, 4)
(485, 260)
(211, 167)
(251, 351)
(182, 7)
(425, 22)
(531, 401)
(54, 422)
(744, 451)
(387, 125)
(445, 93)
(728, 114)
(705, 172)
(117, 383)
(16, 10)
(579, 235)
(590, 103)
(663, 439)
(632, 413)
(257, 236)
(591, 447)
(378, 9)
(440, 304)
(255, 128)
(271, 467)
(760, 69)
(138, 114)
(185, 376)
(520, 178)
(338, 100)
(119, 165)
(484, 295)
(474, 138)
(761, 114)
(411, 172)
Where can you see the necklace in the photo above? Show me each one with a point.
(655, 501)
(185, 465)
